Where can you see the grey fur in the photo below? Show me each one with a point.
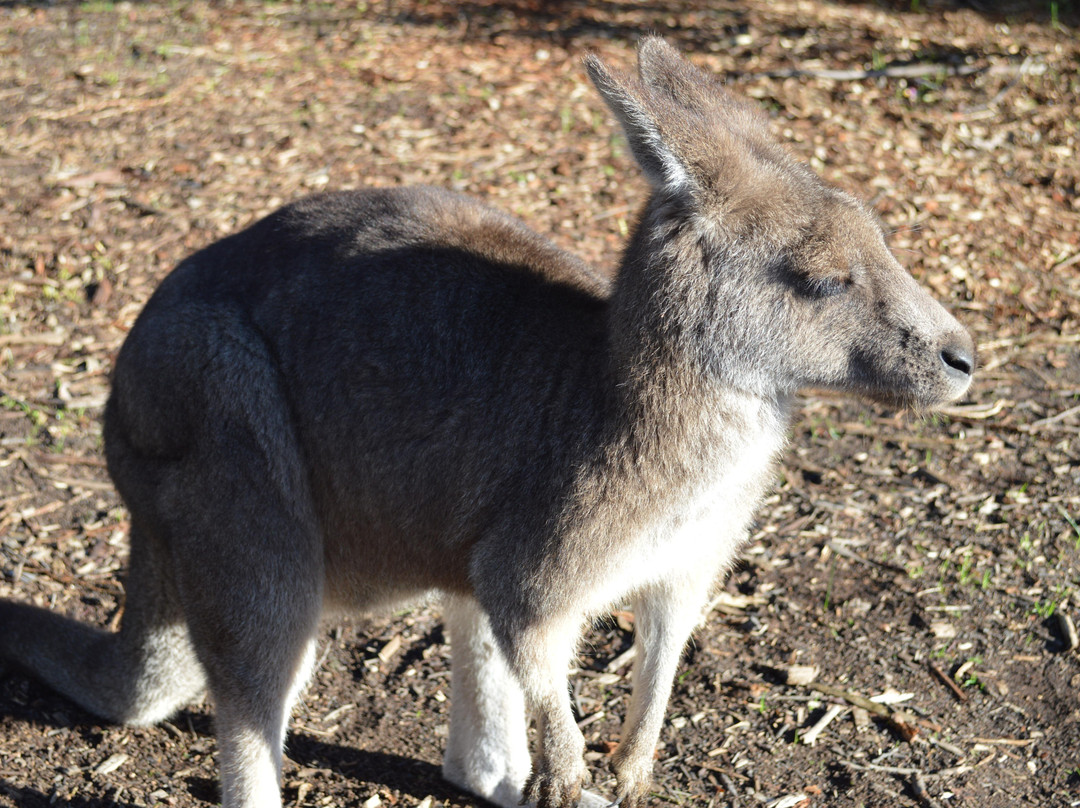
(369, 397)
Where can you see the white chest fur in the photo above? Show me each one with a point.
(696, 536)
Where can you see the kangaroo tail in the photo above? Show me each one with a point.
(139, 675)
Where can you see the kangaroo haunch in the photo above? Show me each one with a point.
(369, 397)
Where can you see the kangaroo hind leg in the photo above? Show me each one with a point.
(248, 559)
(251, 582)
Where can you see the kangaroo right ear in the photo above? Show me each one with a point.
(637, 113)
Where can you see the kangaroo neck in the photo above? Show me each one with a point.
(678, 409)
(686, 428)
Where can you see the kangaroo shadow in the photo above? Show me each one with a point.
(411, 776)
(33, 798)
(416, 778)
(32, 702)
(691, 25)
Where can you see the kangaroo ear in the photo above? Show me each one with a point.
(667, 73)
(638, 114)
(664, 70)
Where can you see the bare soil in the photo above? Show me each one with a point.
(933, 561)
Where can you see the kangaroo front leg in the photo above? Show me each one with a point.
(558, 771)
(664, 617)
(488, 750)
(538, 654)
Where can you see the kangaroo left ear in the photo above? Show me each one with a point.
(638, 113)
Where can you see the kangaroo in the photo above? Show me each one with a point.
(375, 396)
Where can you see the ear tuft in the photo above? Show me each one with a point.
(653, 49)
(657, 60)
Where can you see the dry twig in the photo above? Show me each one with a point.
(909, 71)
(947, 680)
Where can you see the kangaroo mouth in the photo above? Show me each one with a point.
(919, 386)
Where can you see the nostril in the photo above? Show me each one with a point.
(959, 356)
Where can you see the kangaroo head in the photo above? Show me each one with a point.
(750, 264)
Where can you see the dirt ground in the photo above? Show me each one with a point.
(931, 564)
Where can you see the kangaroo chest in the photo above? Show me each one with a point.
(696, 535)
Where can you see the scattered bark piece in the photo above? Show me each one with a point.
(100, 292)
(948, 747)
(591, 719)
(173, 730)
(976, 412)
(943, 629)
(46, 338)
(947, 680)
(890, 697)
(837, 547)
(302, 790)
(788, 801)
(1053, 419)
(622, 660)
(903, 725)
(337, 713)
(734, 604)
(729, 787)
(1007, 741)
(918, 785)
(391, 648)
(962, 670)
(624, 620)
(812, 734)
(852, 698)
(1068, 630)
(801, 675)
(70, 459)
(111, 763)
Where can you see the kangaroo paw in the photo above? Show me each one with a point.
(547, 789)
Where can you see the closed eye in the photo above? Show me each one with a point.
(819, 288)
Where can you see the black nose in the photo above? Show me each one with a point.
(958, 354)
